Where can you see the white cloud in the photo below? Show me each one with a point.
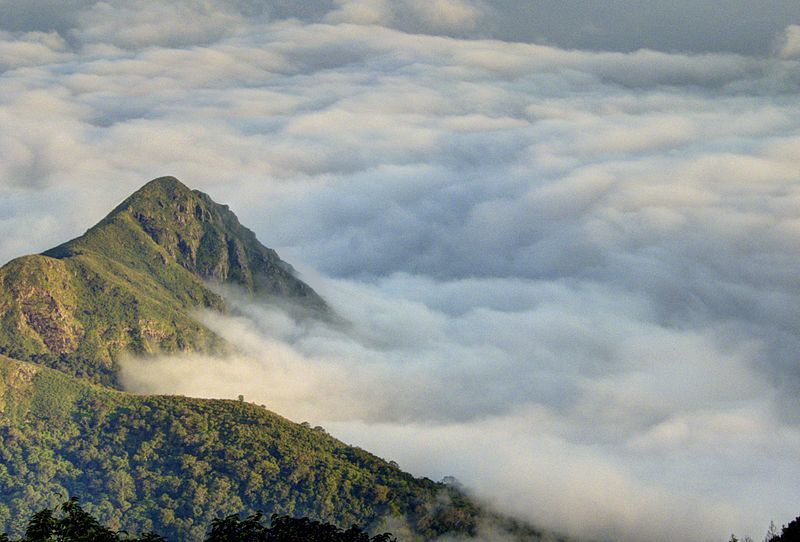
(428, 15)
(143, 23)
(566, 405)
(31, 49)
(789, 42)
(591, 256)
(447, 14)
(361, 12)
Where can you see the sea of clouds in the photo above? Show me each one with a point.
(570, 268)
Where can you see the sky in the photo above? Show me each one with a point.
(565, 234)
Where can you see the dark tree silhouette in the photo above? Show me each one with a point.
(70, 523)
(73, 524)
(789, 533)
(285, 529)
(232, 528)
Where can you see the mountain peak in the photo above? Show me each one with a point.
(167, 183)
(202, 236)
(133, 281)
(160, 192)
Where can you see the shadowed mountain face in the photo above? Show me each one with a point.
(132, 282)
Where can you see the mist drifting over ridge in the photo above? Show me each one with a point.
(577, 268)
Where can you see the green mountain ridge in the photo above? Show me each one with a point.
(170, 464)
(132, 282)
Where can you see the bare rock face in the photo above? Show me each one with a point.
(38, 301)
(47, 318)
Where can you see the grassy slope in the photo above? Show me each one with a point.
(77, 313)
(132, 282)
(173, 463)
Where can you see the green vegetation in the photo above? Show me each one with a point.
(173, 464)
(73, 525)
(132, 282)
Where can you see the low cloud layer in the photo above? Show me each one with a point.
(587, 257)
(570, 406)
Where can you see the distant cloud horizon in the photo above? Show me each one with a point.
(571, 226)
(681, 26)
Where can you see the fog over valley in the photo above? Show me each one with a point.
(564, 238)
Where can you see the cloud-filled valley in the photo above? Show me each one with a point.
(570, 406)
(570, 274)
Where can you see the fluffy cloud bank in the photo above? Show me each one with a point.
(571, 274)
(569, 406)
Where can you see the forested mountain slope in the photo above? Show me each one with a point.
(171, 464)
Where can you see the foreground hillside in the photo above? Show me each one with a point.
(132, 282)
(172, 464)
